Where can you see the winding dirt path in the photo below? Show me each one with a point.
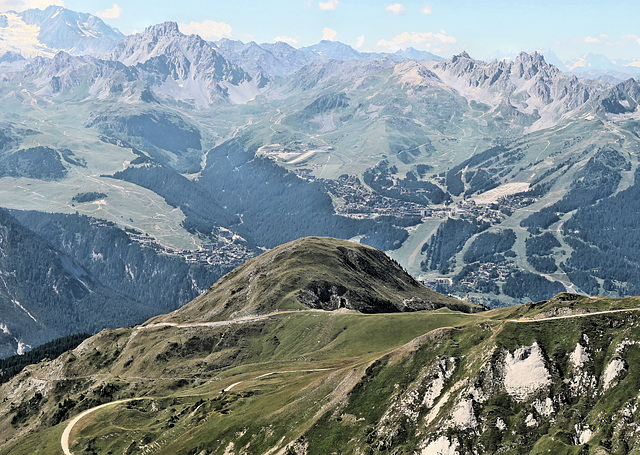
(570, 316)
(276, 372)
(242, 320)
(64, 441)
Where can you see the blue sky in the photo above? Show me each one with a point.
(485, 29)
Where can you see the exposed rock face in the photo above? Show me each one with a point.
(621, 99)
(583, 435)
(611, 373)
(441, 446)
(544, 408)
(464, 416)
(579, 356)
(525, 372)
(324, 296)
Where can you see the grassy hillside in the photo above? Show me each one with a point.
(558, 376)
(314, 272)
(314, 381)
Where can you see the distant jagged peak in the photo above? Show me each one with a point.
(533, 86)
(459, 64)
(168, 28)
(623, 98)
(36, 32)
(64, 60)
(334, 49)
(524, 65)
(528, 65)
(534, 57)
(186, 67)
(462, 54)
(411, 53)
(279, 45)
(167, 40)
(629, 84)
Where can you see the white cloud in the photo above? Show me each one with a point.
(396, 9)
(632, 38)
(329, 34)
(426, 10)
(209, 30)
(591, 40)
(429, 40)
(360, 41)
(329, 5)
(286, 39)
(110, 13)
(21, 5)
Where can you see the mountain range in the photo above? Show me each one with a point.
(491, 181)
(45, 32)
(248, 231)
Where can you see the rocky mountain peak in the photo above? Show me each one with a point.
(168, 28)
(462, 54)
(528, 65)
(532, 86)
(200, 73)
(59, 28)
(335, 50)
(623, 98)
(62, 60)
(534, 57)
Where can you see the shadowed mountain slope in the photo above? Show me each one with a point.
(318, 273)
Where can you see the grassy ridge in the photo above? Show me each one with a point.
(341, 344)
(334, 382)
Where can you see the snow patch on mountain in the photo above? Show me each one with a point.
(44, 33)
(19, 305)
(18, 36)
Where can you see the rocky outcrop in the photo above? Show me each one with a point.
(324, 296)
